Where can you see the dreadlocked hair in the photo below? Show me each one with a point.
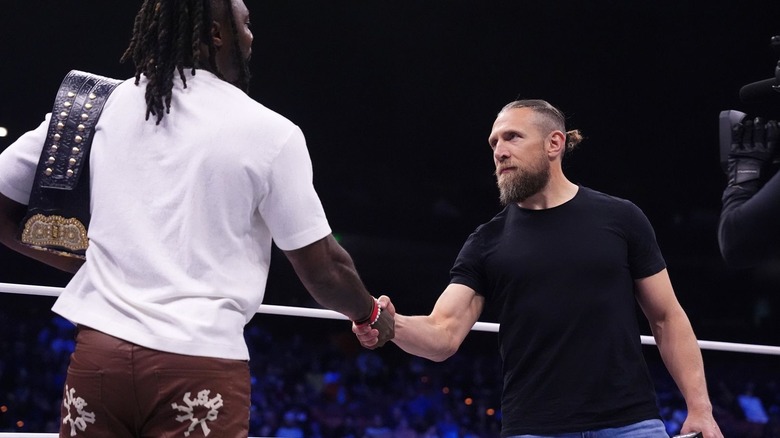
(167, 36)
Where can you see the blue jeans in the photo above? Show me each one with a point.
(643, 429)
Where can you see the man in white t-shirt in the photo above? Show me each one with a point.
(190, 180)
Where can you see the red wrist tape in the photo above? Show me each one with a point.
(373, 317)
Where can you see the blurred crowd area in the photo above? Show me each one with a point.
(310, 378)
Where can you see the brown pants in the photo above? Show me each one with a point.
(121, 390)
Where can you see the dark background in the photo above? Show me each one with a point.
(397, 98)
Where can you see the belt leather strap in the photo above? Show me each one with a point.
(58, 212)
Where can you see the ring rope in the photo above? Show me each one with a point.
(329, 314)
(270, 309)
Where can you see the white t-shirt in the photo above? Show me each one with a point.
(183, 214)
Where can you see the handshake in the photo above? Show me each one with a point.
(749, 148)
(374, 331)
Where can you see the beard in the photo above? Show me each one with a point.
(519, 185)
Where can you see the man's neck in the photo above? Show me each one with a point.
(557, 192)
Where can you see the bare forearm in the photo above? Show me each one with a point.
(681, 355)
(679, 350)
(342, 290)
(420, 336)
(328, 273)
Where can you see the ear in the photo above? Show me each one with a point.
(556, 144)
(216, 34)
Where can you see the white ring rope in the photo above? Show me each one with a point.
(270, 309)
(329, 314)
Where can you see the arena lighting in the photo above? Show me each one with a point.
(3, 131)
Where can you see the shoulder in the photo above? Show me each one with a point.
(241, 106)
(207, 98)
(241, 116)
(596, 196)
(605, 202)
(621, 213)
(492, 228)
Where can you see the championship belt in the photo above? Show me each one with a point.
(58, 212)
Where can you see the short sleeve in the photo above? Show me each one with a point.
(469, 268)
(644, 255)
(19, 161)
(292, 209)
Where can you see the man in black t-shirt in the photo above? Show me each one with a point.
(565, 266)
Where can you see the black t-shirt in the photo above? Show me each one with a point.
(562, 283)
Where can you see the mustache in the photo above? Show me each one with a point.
(500, 169)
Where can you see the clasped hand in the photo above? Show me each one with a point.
(375, 335)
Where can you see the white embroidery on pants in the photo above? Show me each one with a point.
(84, 417)
(213, 405)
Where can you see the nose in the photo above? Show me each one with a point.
(500, 152)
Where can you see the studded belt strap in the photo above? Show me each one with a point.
(76, 110)
(58, 212)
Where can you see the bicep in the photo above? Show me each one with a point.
(457, 309)
(313, 257)
(655, 296)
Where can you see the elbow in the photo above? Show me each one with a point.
(445, 351)
(443, 354)
(425, 337)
